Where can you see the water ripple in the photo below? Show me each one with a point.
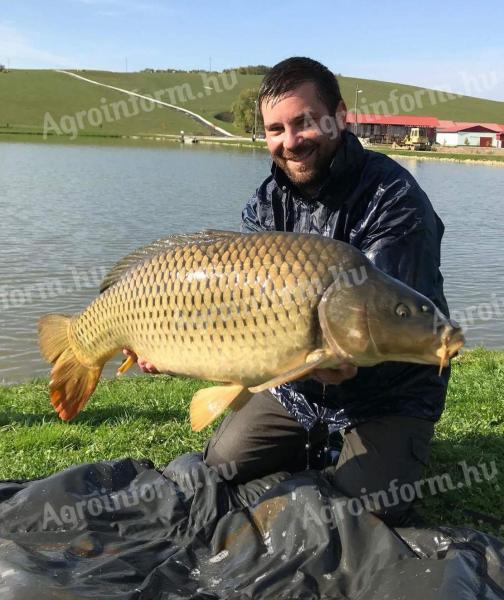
(69, 212)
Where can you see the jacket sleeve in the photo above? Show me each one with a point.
(402, 236)
(258, 212)
(250, 220)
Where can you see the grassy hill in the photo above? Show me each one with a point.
(426, 102)
(26, 96)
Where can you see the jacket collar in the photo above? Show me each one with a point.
(347, 161)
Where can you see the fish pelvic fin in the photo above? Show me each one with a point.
(71, 382)
(209, 403)
(317, 359)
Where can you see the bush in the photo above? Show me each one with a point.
(250, 70)
(244, 111)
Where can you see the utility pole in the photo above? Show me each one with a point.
(357, 92)
(126, 63)
(210, 64)
(254, 134)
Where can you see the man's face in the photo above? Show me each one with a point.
(301, 134)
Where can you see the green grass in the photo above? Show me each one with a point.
(471, 430)
(441, 155)
(461, 108)
(206, 103)
(147, 417)
(27, 95)
(102, 140)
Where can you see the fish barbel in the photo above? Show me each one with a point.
(251, 311)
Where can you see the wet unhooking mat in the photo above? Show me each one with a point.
(123, 530)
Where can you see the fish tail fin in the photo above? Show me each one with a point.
(71, 382)
(209, 403)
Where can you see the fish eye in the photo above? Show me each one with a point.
(402, 311)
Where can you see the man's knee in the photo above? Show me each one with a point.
(259, 439)
(382, 462)
(224, 457)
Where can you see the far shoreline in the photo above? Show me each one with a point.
(157, 140)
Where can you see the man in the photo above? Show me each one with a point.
(322, 181)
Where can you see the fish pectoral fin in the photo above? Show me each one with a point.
(315, 360)
(209, 403)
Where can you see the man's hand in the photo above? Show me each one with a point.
(144, 366)
(334, 376)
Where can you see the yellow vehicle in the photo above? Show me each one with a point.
(416, 140)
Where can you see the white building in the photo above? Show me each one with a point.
(485, 135)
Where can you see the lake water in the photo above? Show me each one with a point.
(69, 212)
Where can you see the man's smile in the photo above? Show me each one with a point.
(300, 157)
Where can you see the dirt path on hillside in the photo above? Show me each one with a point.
(190, 113)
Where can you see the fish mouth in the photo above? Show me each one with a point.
(452, 341)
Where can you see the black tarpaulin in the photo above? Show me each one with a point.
(121, 529)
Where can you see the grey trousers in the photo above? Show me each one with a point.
(380, 459)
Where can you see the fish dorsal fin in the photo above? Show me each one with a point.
(140, 255)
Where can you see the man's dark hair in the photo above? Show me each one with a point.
(289, 74)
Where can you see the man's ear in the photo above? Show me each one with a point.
(341, 114)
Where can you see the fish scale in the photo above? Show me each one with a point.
(228, 311)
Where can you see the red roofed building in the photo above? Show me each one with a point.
(386, 129)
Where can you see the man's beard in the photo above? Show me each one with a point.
(305, 176)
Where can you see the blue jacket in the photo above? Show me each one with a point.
(371, 202)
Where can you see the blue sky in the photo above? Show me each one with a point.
(447, 45)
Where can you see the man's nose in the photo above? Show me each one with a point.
(292, 139)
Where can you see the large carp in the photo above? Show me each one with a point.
(248, 310)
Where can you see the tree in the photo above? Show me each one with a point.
(244, 111)
(250, 70)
